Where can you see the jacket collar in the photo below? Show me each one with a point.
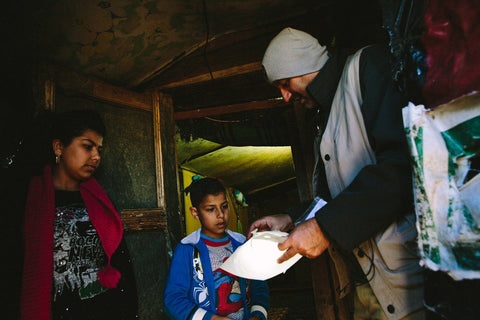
(323, 87)
(194, 237)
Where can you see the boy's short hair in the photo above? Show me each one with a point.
(200, 188)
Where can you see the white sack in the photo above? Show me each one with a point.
(443, 142)
(257, 258)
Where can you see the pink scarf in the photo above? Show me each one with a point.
(38, 234)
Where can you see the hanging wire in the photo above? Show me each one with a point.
(207, 36)
(225, 121)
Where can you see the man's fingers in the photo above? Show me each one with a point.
(284, 245)
(289, 250)
(287, 255)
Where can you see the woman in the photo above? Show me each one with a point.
(76, 264)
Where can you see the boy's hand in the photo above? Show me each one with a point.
(282, 222)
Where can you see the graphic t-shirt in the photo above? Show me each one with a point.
(77, 252)
(227, 287)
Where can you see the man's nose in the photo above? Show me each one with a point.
(286, 94)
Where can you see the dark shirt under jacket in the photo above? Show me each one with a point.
(380, 193)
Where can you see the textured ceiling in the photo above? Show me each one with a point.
(124, 41)
(152, 44)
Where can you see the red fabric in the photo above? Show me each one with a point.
(107, 222)
(452, 45)
(38, 229)
(38, 263)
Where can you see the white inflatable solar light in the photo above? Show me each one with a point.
(257, 258)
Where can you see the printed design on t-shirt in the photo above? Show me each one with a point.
(77, 254)
(227, 287)
(228, 295)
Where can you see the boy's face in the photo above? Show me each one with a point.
(213, 215)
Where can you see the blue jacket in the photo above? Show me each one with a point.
(189, 294)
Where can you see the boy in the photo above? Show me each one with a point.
(196, 287)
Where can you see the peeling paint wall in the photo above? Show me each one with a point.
(124, 41)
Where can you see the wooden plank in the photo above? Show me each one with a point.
(117, 95)
(170, 170)
(302, 151)
(157, 141)
(218, 74)
(74, 82)
(322, 288)
(50, 95)
(154, 219)
(227, 109)
(327, 305)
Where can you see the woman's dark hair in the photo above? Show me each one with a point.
(200, 188)
(68, 125)
(35, 149)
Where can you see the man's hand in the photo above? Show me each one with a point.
(281, 222)
(307, 239)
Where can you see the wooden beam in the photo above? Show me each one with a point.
(73, 82)
(271, 186)
(154, 219)
(157, 140)
(50, 95)
(171, 185)
(219, 74)
(302, 151)
(227, 109)
(324, 279)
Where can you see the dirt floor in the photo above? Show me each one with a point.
(292, 304)
(291, 294)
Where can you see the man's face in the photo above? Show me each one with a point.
(295, 89)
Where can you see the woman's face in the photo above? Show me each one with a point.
(77, 161)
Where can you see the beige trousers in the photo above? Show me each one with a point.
(367, 307)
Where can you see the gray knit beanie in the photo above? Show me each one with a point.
(293, 53)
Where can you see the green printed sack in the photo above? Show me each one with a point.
(445, 148)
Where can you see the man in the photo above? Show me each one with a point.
(362, 170)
